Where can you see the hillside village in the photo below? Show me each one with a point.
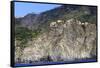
(56, 35)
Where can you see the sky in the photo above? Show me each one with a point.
(23, 8)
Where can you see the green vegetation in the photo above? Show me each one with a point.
(24, 35)
(81, 13)
(81, 16)
(87, 18)
(35, 33)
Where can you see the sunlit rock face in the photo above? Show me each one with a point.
(67, 41)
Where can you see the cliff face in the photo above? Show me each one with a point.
(65, 33)
(65, 41)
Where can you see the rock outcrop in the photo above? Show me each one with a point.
(67, 41)
(65, 33)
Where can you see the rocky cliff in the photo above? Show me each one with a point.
(65, 33)
(65, 41)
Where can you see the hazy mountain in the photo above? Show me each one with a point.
(64, 12)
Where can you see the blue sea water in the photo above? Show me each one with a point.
(55, 63)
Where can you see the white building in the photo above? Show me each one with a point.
(79, 23)
(59, 21)
(82, 23)
(52, 24)
(86, 23)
